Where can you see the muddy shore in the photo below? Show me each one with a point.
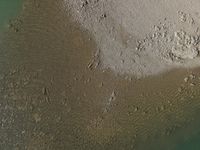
(53, 95)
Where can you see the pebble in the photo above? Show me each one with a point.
(113, 96)
(186, 79)
(136, 109)
(101, 84)
(44, 91)
(156, 28)
(192, 76)
(192, 84)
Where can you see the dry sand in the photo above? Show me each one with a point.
(142, 37)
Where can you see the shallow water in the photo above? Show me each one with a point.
(191, 144)
(8, 10)
(50, 99)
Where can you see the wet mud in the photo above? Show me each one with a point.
(54, 94)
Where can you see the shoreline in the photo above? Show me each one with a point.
(56, 95)
(11, 12)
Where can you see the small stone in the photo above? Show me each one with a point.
(136, 109)
(192, 84)
(84, 3)
(156, 28)
(44, 91)
(186, 79)
(101, 84)
(104, 15)
(113, 96)
(47, 99)
(122, 61)
(192, 76)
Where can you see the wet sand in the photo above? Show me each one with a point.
(53, 97)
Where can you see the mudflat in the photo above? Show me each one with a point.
(55, 94)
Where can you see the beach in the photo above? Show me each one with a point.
(57, 93)
(141, 38)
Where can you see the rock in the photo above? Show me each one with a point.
(44, 90)
(191, 76)
(136, 109)
(101, 84)
(192, 84)
(186, 79)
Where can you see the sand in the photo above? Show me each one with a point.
(141, 38)
(52, 96)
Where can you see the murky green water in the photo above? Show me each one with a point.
(184, 139)
(191, 144)
(8, 10)
(190, 139)
(187, 138)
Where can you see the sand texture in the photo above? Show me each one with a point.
(54, 95)
(142, 37)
